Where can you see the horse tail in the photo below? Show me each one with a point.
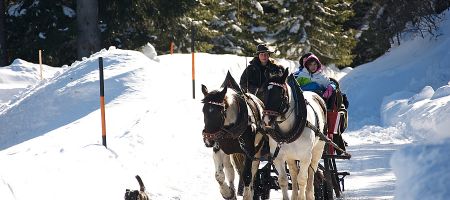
(238, 160)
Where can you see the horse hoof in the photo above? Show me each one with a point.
(232, 197)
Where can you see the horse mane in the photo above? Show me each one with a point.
(277, 79)
(214, 96)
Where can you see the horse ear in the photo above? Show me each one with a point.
(204, 90)
(285, 74)
(224, 91)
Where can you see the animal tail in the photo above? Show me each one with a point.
(238, 161)
(141, 184)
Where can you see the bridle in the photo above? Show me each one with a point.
(220, 132)
(232, 131)
(298, 109)
(284, 107)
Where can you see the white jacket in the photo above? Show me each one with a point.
(304, 77)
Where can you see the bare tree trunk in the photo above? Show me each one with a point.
(3, 52)
(88, 31)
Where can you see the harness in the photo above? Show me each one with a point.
(299, 110)
(237, 131)
(300, 122)
(253, 104)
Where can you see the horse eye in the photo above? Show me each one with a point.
(210, 110)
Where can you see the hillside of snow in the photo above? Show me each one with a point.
(50, 130)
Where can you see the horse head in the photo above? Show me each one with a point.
(214, 113)
(276, 98)
(222, 114)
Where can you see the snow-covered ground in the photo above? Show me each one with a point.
(50, 130)
(19, 76)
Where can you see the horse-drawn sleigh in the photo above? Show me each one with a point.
(290, 127)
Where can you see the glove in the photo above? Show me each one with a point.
(328, 92)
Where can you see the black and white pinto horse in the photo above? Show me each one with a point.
(293, 119)
(230, 119)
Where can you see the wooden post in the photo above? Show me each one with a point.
(102, 101)
(193, 61)
(40, 62)
(171, 48)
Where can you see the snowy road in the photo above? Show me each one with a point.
(371, 177)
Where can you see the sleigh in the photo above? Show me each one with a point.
(329, 181)
(332, 180)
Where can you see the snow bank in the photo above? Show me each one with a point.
(21, 75)
(409, 67)
(422, 172)
(425, 115)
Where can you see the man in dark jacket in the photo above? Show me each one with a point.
(259, 70)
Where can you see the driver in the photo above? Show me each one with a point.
(257, 73)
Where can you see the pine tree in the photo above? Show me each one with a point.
(131, 24)
(88, 37)
(239, 24)
(126, 24)
(318, 27)
(3, 49)
(48, 25)
(387, 20)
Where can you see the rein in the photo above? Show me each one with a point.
(321, 134)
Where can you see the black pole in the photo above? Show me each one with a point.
(193, 60)
(102, 100)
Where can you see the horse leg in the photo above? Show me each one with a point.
(302, 177)
(293, 171)
(229, 173)
(250, 170)
(282, 177)
(316, 156)
(225, 190)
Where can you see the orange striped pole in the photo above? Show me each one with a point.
(102, 101)
(193, 61)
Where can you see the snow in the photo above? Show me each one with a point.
(16, 11)
(50, 129)
(424, 176)
(69, 12)
(20, 75)
(258, 6)
(295, 27)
